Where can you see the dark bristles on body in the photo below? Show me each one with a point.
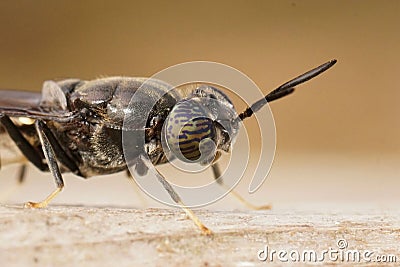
(285, 89)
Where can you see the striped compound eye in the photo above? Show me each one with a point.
(189, 133)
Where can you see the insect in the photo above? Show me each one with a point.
(76, 126)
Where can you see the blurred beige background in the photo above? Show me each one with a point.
(338, 136)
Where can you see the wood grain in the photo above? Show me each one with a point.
(98, 236)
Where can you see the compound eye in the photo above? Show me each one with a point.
(189, 134)
(195, 139)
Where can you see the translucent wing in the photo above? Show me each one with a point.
(27, 104)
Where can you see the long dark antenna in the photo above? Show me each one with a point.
(285, 89)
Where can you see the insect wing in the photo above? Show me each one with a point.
(10, 99)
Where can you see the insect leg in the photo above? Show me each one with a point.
(21, 173)
(136, 187)
(218, 179)
(62, 156)
(52, 163)
(21, 177)
(176, 198)
(26, 148)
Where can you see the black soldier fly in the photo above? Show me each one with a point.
(76, 126)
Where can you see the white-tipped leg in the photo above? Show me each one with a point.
(217, 177)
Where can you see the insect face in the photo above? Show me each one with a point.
(201, 125)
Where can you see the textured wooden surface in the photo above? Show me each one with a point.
(94, 236)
